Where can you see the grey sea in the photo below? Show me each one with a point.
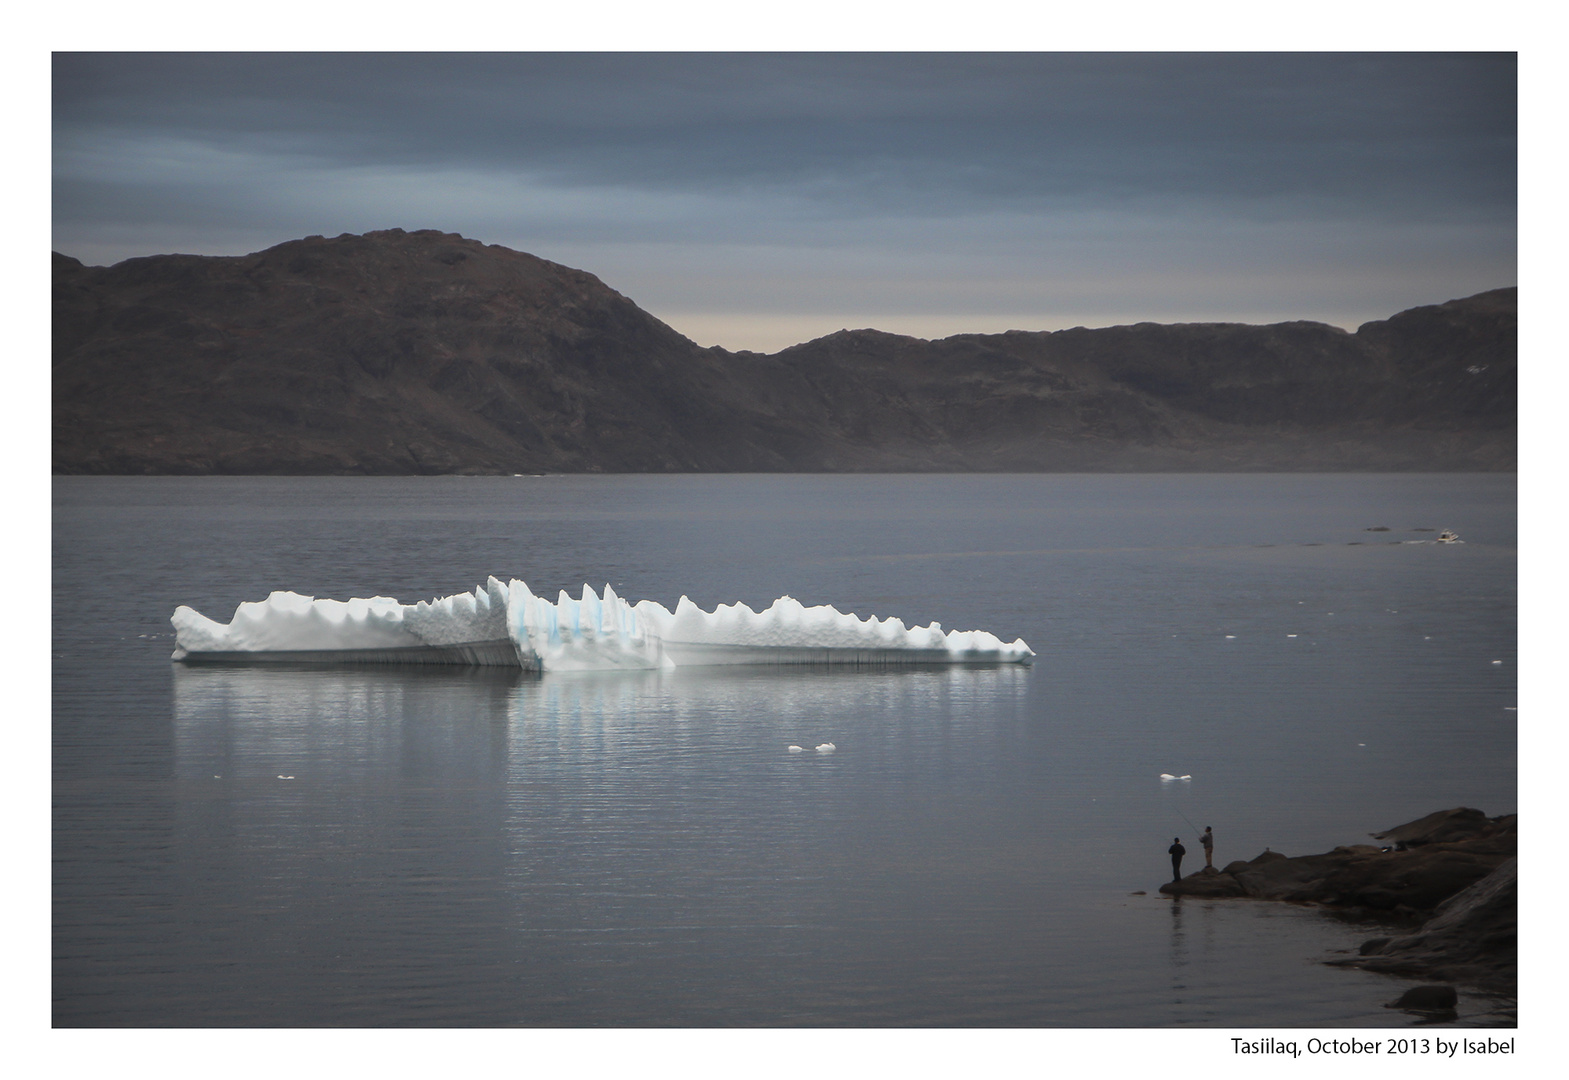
(384, 847)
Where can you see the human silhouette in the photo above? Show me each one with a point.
(1176, 851)
(1208, 840)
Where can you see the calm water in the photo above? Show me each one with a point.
(483, 848)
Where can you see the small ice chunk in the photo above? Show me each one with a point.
(826, 748)
(793, 748)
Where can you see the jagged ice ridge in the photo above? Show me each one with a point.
(506, 625)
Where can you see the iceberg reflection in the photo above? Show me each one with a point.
(342, 724)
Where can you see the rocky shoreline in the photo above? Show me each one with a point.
(1446, 884)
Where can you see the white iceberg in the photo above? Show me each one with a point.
(508, 626)
(469, 628)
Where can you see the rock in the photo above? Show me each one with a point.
(1282, 878)
(1444, 825)
(1471, 938)
(1205, 884)
(1457, 869)
(1426, 999)
(1419, 880)
(1266, 856)
(1361, 875)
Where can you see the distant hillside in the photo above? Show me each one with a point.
(424, 352)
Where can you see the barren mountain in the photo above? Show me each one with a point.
(425, 352)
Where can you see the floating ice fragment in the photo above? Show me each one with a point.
(1498, 661)
(506, 625)
(826, 748)
(1168, 776)
(282, 777)
(793, 748)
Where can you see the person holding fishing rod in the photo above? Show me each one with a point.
(1177, 851)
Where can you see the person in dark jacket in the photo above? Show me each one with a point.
(1176, 851)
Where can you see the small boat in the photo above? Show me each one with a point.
(1448, 536)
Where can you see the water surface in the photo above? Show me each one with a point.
(487, 848)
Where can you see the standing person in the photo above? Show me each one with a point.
(1176, 851)
(1208, 840)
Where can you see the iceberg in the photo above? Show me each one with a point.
(506, 625)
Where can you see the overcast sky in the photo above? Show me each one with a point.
(755, 201)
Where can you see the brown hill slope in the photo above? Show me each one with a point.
(426, 352)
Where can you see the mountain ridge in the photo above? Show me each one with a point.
(424, 352)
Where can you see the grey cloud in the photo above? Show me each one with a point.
(1406, 129)
(906, 187)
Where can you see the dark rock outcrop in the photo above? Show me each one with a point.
(1427, 999)
(1446, 852)
(424, 352)
(1470, 938)
(1208, 883)
(1456, 871)
(1461, 823)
